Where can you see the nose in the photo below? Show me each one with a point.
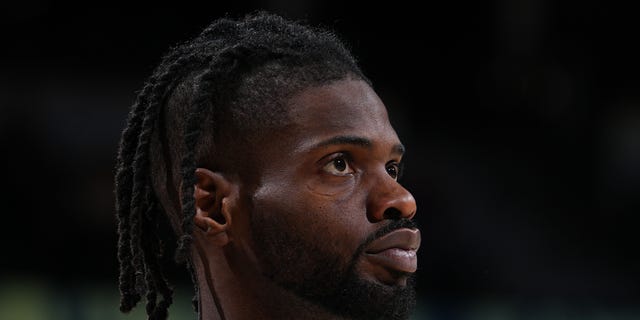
(390, 200)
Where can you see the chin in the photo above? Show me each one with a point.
(361, 298)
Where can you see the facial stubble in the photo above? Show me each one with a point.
(328, 279)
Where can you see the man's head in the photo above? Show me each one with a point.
(276, 165)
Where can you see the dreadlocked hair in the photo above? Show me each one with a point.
(234, 77)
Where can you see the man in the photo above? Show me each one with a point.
(275, 163)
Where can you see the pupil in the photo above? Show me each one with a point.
(392, 172)
(341, 165)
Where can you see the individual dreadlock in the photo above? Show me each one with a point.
(235, 76)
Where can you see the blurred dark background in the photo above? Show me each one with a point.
(521, 118)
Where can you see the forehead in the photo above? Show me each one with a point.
(344, 107)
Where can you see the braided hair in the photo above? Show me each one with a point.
(222, 87)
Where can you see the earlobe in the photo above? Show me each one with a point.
(213, 216)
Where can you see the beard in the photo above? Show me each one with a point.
(327, 278)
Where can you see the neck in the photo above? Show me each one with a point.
(227, 293)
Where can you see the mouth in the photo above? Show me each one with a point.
(396, 251)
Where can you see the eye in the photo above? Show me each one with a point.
(339, 166)
(394, 170)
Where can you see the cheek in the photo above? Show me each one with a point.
(339, 188)
(333, 224)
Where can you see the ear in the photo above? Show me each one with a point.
(213, 217)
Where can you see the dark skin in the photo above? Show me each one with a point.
(318, 191)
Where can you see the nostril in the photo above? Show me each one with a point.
(392, 214)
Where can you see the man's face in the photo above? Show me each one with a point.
(327, 191)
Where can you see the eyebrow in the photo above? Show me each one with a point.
(357, 141)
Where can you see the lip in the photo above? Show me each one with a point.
(396, 250)
(405, 239)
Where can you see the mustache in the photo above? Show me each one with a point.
(388, 228)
